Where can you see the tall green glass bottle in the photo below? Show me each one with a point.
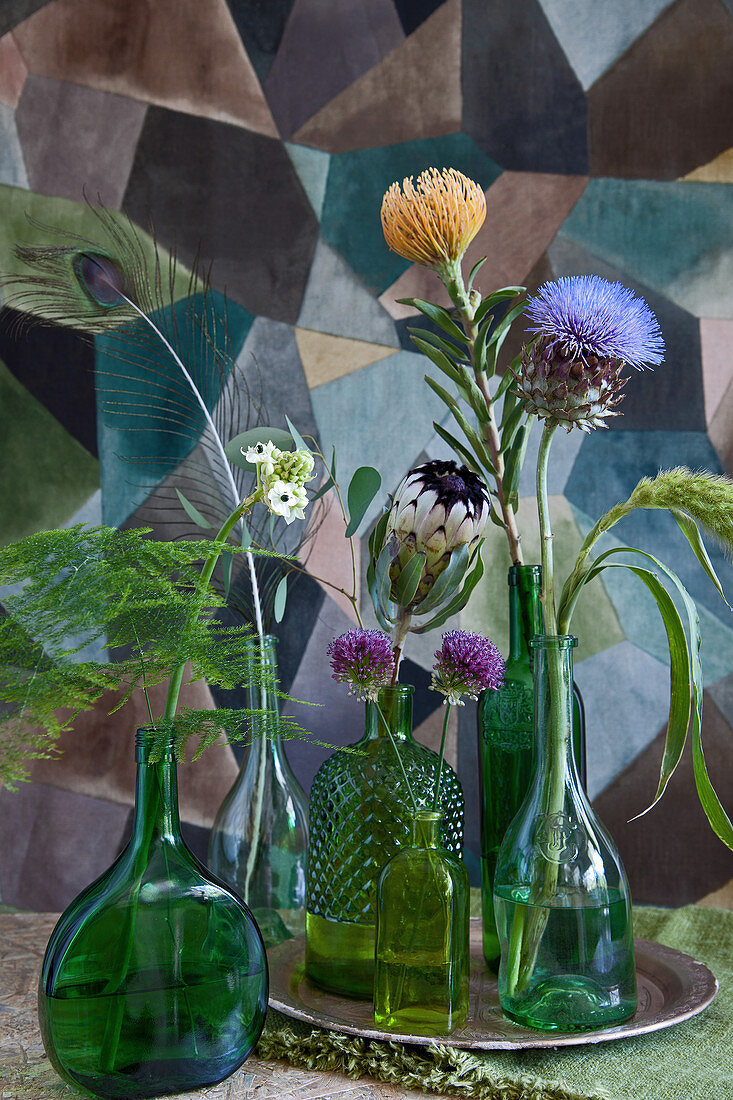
(561, 896)
(422, 959)
(360, 816)
(506, 739)
(154, 980)
(259, 841)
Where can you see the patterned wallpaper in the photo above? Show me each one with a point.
(264, 132)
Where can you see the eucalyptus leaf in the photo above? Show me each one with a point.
(363, 487)
(193, 513)
(281, 597)
(233, 449)
(323, 490)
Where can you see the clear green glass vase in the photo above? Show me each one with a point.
(563, 908)
(506, 743)
(259, 842)
(422, 938)
(360, 816)
(154, 980)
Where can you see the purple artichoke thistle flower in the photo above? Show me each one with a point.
(586, 330)
(466, 664)
(363, 659)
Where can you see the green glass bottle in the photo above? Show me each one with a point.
(506, 739)
(563, 909)
(422, 960)
(154, 980)
(360, 816)
(259, 841)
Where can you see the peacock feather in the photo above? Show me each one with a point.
(170, 391)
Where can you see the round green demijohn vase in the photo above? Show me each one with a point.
(154, 981)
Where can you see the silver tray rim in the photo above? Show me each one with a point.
(657, 966)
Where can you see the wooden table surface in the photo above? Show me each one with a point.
(26, 1074)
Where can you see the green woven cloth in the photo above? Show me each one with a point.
(690, 1061)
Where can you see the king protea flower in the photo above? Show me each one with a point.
(437, 508)
(587, 330)
(434, 222)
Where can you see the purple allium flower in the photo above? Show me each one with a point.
(466, 664)
(363, 659)
(586, 316)
(586, 330)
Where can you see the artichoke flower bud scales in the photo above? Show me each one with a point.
(587, 330)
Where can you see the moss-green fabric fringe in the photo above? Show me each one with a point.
(692, 1060)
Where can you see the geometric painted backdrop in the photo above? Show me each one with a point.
(266, 134)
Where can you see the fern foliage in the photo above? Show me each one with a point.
(145, 601)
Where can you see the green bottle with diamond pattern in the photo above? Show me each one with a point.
(360, 817)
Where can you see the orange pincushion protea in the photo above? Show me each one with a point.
(434, 222)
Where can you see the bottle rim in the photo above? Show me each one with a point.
(533, 572)
(427, 815)
(553, 641)
(144, 738)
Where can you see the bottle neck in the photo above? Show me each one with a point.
(262, 689)
(156, 792)
(525, 609)
(553, 704)
(426, 829)
(393, 706)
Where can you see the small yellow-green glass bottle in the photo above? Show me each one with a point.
(422, 942)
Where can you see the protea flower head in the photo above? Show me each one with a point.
(437, 508)
(434, 222)
(587, 330)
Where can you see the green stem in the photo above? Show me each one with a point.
(452, 279)
(385, 723)
(176, 680)
(546, 536)
(401, 628)
(439, 776)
